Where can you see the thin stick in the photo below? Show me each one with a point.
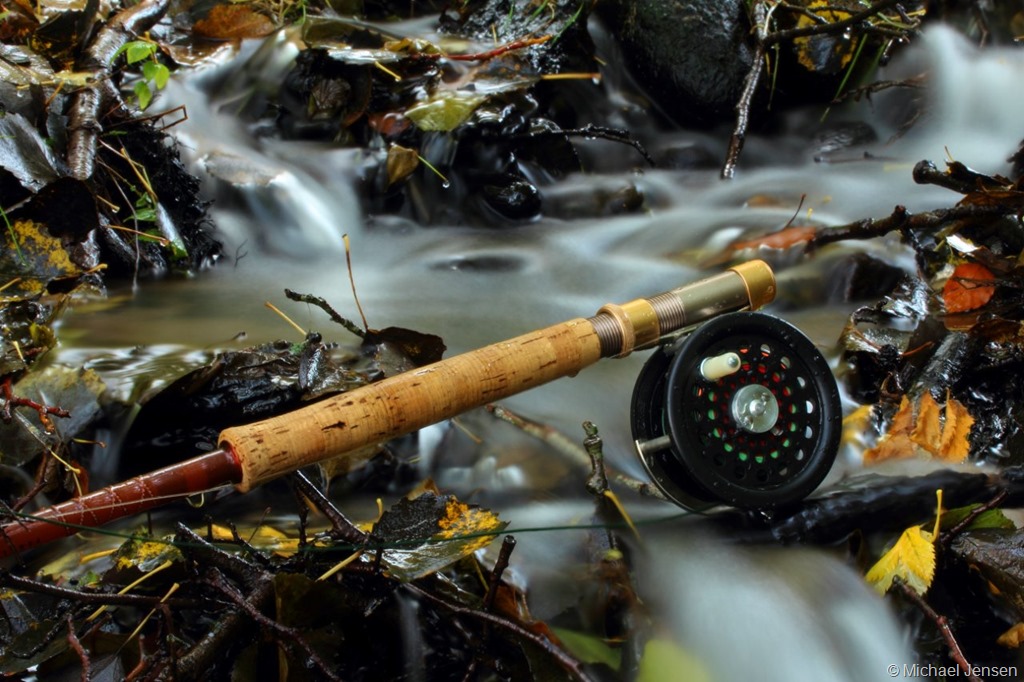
(567, 662)
(750, 83)
(507, 545)
(942, 624)
(352, 279)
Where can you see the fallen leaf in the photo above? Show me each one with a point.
(445, 111)
(925, 429)
(1013, 637)
(968, 288)
(232, 22)
(401, 162)
(782, 239)
(424, 535)
(955, 445)
(911, 559)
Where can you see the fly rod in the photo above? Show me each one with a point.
(250, 455)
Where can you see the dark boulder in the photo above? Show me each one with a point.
(690, 55)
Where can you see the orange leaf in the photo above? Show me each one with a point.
(231, 22)
(942, 432)
(968, 288)
(955, 444)
(926, 431)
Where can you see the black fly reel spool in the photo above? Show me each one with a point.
(743, 411)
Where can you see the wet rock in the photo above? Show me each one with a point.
(692, 57)
(511, 197)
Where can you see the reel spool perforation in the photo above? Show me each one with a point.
(760, 433)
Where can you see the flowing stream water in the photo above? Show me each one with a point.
(771, 613)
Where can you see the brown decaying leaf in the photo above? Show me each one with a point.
(401, 162)
(925, 429)
(233, 22)
(968, 288)
(782, 239)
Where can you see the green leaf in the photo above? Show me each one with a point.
(445, 112)
(663, 660)
(588, 648)
(146, 215)
(143, 92)
(137, 50)
(990, 518)
(156, 72)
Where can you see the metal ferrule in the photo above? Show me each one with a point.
(641, 323)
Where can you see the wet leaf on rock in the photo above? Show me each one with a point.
(824, 53)
(968, 288)
(33, 258)
(76, 390)
(445, 111)
(143, 555)
(943, 433)
(25, 154)
(26, 333)
(401, 163)
(998, 556)
(233, 22)
(418, 348)
(424, 535)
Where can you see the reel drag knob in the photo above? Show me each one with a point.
(743, 411)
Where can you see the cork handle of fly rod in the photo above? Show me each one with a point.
(404, 403)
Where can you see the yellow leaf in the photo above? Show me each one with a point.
(911, 559)
(1013, 637)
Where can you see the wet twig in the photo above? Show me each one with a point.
(79, 650)
(904, 221)
(217, 580)
(590, 131)
(765, 38)
(564, 660)
(322, 303)
(507, 545)
(834, 27)
(941, 623)
(597, 482)
(99, 598)
(947, 537)
(83, 122)
(739, 133)
(341, 527)
(569, 449)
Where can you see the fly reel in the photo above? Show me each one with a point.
(743, 411)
